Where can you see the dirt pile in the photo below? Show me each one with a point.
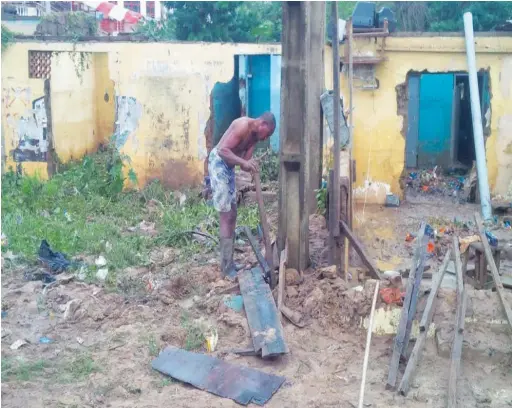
(330, 300)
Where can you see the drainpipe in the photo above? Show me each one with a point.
(478, 134)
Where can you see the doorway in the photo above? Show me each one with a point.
(440, 126)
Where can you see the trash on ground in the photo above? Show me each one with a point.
(79, 340)
(235, 302)
(430, 247)
(211, 338)
(465, 242)
(100, 261)
(45, 340)
(392, 200)
(493, 241)
(4, 314)
(392, 296)
(37, 275)
(409, 237)
(102, 273)
(55, 261)
(17, 344)
(242, 384)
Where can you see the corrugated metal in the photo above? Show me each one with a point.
(242, 384)
(262, 315)
(435, 124)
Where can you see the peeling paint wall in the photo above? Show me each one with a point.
(379, 142)
(156, 97)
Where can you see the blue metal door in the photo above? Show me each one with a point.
(436, 103)
(259, 88)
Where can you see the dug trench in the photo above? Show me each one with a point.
(103, 341)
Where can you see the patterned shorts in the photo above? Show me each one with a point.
(222, 179)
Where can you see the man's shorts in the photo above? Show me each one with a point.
(222, 179)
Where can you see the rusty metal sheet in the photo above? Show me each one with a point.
(242, 384)
(262, 315)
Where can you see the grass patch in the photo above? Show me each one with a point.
(78, 369)
(21, 370)
(84, 211)
(194, 339)
(153, 346)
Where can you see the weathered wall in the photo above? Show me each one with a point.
(154, 97)
(379, 139)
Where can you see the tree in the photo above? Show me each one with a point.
(234, 21)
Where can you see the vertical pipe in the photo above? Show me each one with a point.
(336, 119)
(478, 135)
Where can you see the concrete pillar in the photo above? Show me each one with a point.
(316, 86)
(158, 10)
(294, 143)
(143, 8)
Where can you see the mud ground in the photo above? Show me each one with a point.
(104, 342)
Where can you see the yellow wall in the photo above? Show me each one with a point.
(162, 93)
(379, 146)
(163, 97)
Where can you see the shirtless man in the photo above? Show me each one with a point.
(235, 148)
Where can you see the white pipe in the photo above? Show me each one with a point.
(478, 134)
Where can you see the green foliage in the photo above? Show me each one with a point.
(7, 38)
(21, 370)
(217, 21)
(269, 167)
(83, 210)
(321, 200)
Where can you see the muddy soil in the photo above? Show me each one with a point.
(121, 333)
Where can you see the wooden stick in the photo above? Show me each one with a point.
(457, 350)
(264, 225)
(458, 265)
(282, 278)
(426, 319)
(494, 269)
(368, 262)
(402, 325)
(436, 284)
(368, 343)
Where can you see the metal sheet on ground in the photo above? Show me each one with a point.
(242, 384)
(262, 314)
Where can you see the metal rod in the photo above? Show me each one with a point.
(336, 120)
(481, 165)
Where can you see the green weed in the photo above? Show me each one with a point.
(21, 370)
(78, 369)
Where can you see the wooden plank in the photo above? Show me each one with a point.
(457, 351)
(368, 262)
(402, 325)
(262, 314)
(426, 319)
(494, 269)
(256, 249)
(368, 343)
(421, 248)
(436, 284)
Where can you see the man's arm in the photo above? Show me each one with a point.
(249, 152)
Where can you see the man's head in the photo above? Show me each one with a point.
(265, 126)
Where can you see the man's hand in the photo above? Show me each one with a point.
(250, 166)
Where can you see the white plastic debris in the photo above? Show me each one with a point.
(17, 344)
(102, 274)
(101, 261)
